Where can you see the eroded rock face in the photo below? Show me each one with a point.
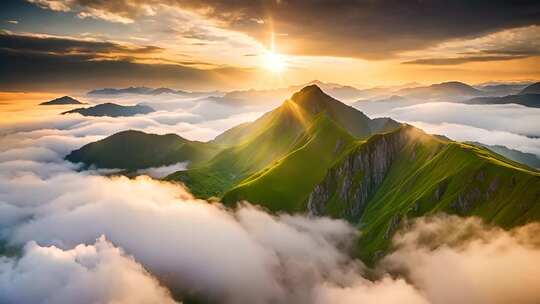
(357, 177)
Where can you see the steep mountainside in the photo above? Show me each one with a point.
(112, 110)
(285, 184)
(132, 150)
(255, 145)
(407, 173)
(64, 100)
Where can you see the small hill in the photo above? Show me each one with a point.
(531, 89)
(450, 90)
(528, 100)
(112, 110)
(133, 150)
(64, 100)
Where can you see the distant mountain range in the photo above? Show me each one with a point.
(446, 91)
(150, 91)
(452, 91)
(502, 89)
(528, 159)
(531, 89)
(112, 110)
(528, 96)
(528, 100)
(455, 92)
(316, 155)
(64, 100)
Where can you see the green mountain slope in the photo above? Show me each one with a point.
(407, 173)
(132, 150)
(259, 144)
(285, 185)
(268, 139)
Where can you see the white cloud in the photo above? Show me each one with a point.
(160, 172)
(54, 5)
(455, 260)
(98, 273)
(467, 133)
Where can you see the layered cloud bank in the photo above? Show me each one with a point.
(454, 260)
(67, 234)
(511, 125)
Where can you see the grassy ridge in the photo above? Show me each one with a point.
(132, 150)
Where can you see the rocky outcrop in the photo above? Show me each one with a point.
(353, 180)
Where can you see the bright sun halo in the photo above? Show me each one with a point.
(274, 62)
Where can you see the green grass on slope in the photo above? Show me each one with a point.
(419, 149)
(285, 185)
(460, 179)
(132, 150)
(266, 144)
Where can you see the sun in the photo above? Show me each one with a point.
(274, 62)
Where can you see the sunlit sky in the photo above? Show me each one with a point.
(48, 45)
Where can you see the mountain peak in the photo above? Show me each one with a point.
(64, 100)
(312, 88)
(311, 94)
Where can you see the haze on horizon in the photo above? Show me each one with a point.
(72, 45)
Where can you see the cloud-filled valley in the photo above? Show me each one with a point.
(84, 235)
(510, 125)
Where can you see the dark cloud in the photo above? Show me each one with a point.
(509, 50)
(361, 28)
(63, 45)
(51, 63)
(461, 60)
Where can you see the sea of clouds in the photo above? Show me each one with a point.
(510, 125)
(84, 237)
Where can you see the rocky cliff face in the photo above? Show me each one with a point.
(353, 180)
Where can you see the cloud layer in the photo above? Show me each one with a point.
(479, 264)
(510, 125)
